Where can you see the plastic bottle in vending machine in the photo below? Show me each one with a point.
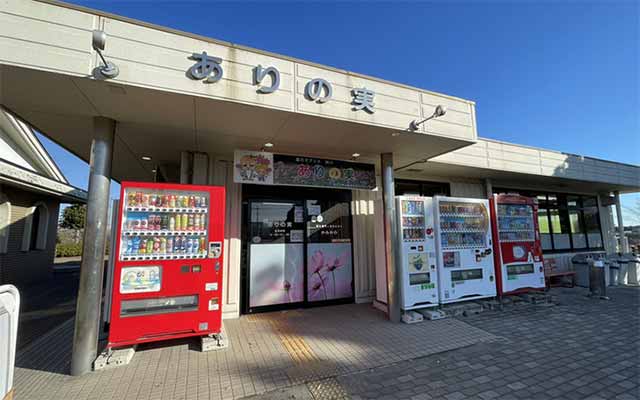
(172, 223)
(136, 245)
(203, 201)
(156, 245)
(201, 246)
(129, 249)
(192, 201)
(169, 245)
(177, 245)
(196, 222)
(189, 246)
(149, 246)
(185, 221)
(143, 224)
(201, 223)
(163, 245)
(143, 246)
(190, 222)
(164, 224)
(178, 222)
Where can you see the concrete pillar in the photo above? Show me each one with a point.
(87, 324)
(200, 170)
(390, 237)
(623, 243)
(488, 188)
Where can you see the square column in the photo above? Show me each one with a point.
(390, 238)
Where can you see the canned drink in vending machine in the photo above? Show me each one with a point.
(189, 246)
(170, 245)
(143, 224)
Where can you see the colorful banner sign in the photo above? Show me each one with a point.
(277, 169)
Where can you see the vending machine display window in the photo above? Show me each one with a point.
(162, 224)
(520, 269)
(515, 223)
(161, 305)
(463, 225)
(419, 279)
(466, 274)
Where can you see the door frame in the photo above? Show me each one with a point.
(264, 193)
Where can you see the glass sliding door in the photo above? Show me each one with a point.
(276, 253)
(329, 253)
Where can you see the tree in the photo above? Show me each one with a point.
(74, 216)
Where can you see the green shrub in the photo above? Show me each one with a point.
(68, 249)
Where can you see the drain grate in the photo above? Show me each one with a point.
(327, 389)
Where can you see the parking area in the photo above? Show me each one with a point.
(576, 348)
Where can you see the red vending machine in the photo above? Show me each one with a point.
(167, 278)
(516, 244)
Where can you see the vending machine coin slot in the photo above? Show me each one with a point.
(196, 268)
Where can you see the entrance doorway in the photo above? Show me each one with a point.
(297, 249)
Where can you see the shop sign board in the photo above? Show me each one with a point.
(208, 69)
(263, 168)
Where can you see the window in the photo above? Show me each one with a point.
(404, 187)
(36, 224)
(566, 221)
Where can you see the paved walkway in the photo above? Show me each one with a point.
(574, 350)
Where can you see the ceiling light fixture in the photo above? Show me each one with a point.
(355, 155)
(266, 146)
(438, 112)
(146, 158)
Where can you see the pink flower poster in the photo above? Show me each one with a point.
(329, 271)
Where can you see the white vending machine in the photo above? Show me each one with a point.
(464, 246)
(419, 288)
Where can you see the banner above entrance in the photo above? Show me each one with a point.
(263, 168)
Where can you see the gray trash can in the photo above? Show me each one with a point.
(580, 265)
(614, 273)
(597, 284)
(633, 270)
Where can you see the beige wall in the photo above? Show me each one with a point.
(20, 267)
(158, 58)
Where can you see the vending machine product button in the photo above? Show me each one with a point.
(211, 286)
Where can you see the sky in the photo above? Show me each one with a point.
(561, 75)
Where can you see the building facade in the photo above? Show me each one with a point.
(183, 106)
(31, 190)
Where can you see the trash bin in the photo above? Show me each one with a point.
(9, 307)
(597, 284)
(623, 275)
(580, 265)
(633, 270)
(614, 273)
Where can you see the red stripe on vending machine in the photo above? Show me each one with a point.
(518, 253)
(168, 268)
